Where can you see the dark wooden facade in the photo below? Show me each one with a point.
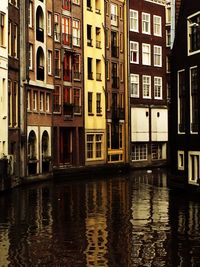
(184, 111)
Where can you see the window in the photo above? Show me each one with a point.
(89, 102)
(56, 99)
(77, 100)
(57, 63)
(89, 66)
(49, 23)
(9, 38)
(98, 103)
(157, 25)
(66, 31)
(47, 102)
(107, 69)
(168, 37)
(56, 28)
(193, 167)
(15, 30)
(194, 118)
(133, 20)
(146, 54)
(139, 152)
(156, 151)
(90, 141)
(94, 146)
(181, 163)
(121, 72)
(181, 101)
(134, 52)
(49, 62)
(194, 33)
(76, 32)
(30, 56)
(158, 87)
(66, 4)
(2, 29)
(146, 23)
(76, 2)
(146, 86)
(28, 100)
(76, 66)
(89, 5)
(134, 85)
(35, 103)
(41, 101)
(121, 42)
(89, 35)
(168, 13)
(30, 14)
(114, 14)
(157, 56)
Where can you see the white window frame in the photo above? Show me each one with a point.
(134, 21)
(181, 160)
(49, 23)
(191, 24)
(42, 101)
(146, 83)
(49, 62)
(47, 102)
(157, 25)
(140, 149)
(134, 48)
(159, 86)
(146, 54)
(146, 23)
(157, 55)
(134, 80)
(30, 56)
(196, 157)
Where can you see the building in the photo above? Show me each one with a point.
(68, 98)
(94, 82)
(116, 81)
(148, 95)
(36, 86)
(184, 127)
(4, 79)
(13, 89)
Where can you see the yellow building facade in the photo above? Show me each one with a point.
(94, 82)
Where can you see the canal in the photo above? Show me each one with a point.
(128, 220)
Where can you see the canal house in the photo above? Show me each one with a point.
(147, 83)
(184, 119)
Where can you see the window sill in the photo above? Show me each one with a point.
(90, 114)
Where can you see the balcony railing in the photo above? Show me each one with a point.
(67, 39)
(98, 44)
(115, 82)
(114, 51)
(98, 76)
(40, 73)
(67, 75)
(40, 34)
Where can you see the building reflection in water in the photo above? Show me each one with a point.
(124, 221)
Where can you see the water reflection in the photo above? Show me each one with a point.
(133, 220)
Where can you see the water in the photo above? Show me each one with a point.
(123, 221)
